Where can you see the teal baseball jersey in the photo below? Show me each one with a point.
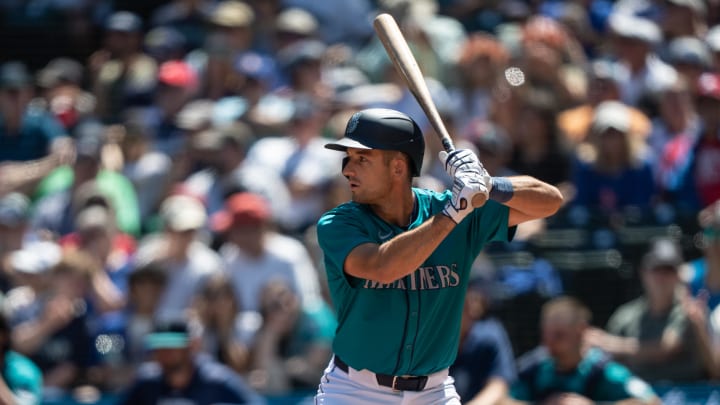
(410, 326)
(596, 377)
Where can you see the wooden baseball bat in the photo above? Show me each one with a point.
(404, 61)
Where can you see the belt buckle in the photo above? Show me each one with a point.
(394, 383)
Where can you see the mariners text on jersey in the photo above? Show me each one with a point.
(424, 278)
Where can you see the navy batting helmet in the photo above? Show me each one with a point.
(381, 128)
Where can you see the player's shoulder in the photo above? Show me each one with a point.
(345, 211)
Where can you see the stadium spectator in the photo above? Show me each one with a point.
(484, 368)
(302, 161)
(122, 75)
(148, 169)
(538, 146)
(178, 373)
(231, 35)
(691, 163)
(604, 85)
(294, 343)
(613, 173)
(552, 60)
(632, 42)
(227, 330)
(254, 254)
(223, 150)
(53, 329)
(480, 64)
(178, 248)
(677, 117)
(61, 84)
(563, 372)
(69, 188)
(651, 334)
(32, 141)
(188, 18)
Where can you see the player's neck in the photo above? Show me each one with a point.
(398, 209)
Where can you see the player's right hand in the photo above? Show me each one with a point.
(466, 186)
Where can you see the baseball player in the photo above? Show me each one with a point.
(398, 260)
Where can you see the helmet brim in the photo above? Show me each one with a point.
(344, 143)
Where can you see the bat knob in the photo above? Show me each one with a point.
(479, 200)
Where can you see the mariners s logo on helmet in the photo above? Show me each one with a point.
(352, 124)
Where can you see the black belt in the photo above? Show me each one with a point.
(415, 383)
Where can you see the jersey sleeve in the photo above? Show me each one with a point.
(619, 383)
(490, 223)
(339, 232)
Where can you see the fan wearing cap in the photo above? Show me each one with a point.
(651, 335)
(20, 378)
(14, 218)
(302, 162)
(633, 40)
(188, 260)
(179, 374)
(398, 260)
(122, 75)
(231, 34)
(32, 141)
(177, 84)
(612, 172)
(254, 254)
(62, 193)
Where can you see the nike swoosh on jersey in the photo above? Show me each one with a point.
(386, 236)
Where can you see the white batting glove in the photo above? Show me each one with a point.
(460, 160)
(465, 187)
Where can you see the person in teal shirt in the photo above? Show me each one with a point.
(561, 371)
(398, 259)
(21, 380)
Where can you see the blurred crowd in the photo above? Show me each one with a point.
(164, 161)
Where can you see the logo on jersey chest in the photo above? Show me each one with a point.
(424, 278)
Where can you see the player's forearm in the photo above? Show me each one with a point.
(532, 199)
(401, 255)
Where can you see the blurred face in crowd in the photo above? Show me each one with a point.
(179, 241)
(562, 332)
(660, 282)
(631, 50)
(145, 294)
(13, 102)
(218, 304)
(603, 89)
(97, 241)
(11, 237)
(613, 147)
(250, 237)
(173, 360)
(121, 44)
(676, 109)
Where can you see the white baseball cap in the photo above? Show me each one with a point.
(183, 213)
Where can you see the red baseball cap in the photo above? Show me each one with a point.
(177, 74)
(708, 85)
(241, 209)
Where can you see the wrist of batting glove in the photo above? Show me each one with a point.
(465, 187)
(459, 161)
